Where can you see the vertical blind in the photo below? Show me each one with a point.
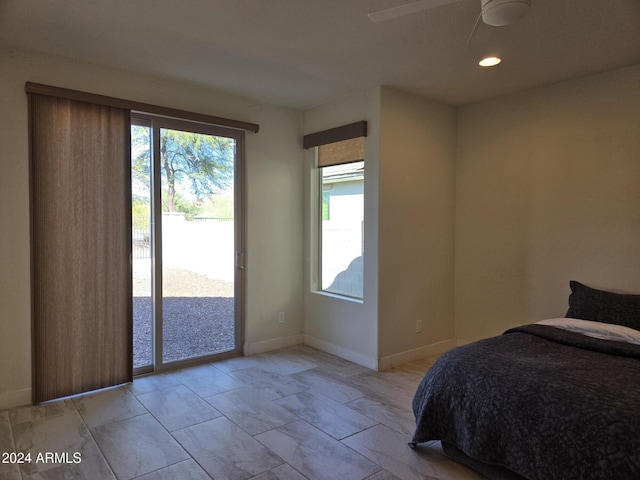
(80, 246)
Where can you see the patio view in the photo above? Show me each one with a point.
(198, 303)
(183, 270)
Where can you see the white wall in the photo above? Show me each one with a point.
(409, 226)
(274, 170)
(345, 327)
(547, 190)
(416, 227)
(544, 185)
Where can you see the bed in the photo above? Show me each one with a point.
(558, 399)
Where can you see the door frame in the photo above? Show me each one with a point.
(155, 123)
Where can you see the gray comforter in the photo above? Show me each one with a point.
(543, 402)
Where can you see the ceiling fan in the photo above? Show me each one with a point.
(493, 12)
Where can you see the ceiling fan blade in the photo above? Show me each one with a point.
(406, 9)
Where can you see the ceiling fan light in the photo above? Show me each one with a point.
(503, 12)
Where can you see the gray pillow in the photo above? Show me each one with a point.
(588, 303)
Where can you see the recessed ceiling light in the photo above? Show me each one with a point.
(489, 62)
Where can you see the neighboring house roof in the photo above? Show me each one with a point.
(345, 172)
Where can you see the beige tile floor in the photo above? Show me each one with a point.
(291, 414)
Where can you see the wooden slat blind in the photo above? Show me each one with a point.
(81, 246)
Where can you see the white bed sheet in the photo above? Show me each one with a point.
(605, 331)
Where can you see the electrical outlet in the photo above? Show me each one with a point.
(418, 326)
(281, 317)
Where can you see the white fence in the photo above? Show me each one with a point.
(205, 246)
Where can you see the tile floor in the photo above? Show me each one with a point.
(291, 414)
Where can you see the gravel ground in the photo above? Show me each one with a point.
(198, 317)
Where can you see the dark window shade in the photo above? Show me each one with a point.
(338, 145)
(80, 246)
(338, 134)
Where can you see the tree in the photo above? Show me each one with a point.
(203, 163)
(140, 161)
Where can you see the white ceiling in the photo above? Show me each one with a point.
(301, 53)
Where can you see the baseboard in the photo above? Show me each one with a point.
(342, 352)
(16, 398)
(390, 361)
(460, 342)
(254, 348)
(372, 363)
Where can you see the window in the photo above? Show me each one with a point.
(339, 208)
(342, 228)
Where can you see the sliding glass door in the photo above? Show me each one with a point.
(187, 239)
(142, 253)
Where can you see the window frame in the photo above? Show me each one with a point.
(345, 144)
(156, 123)
(318, 209)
